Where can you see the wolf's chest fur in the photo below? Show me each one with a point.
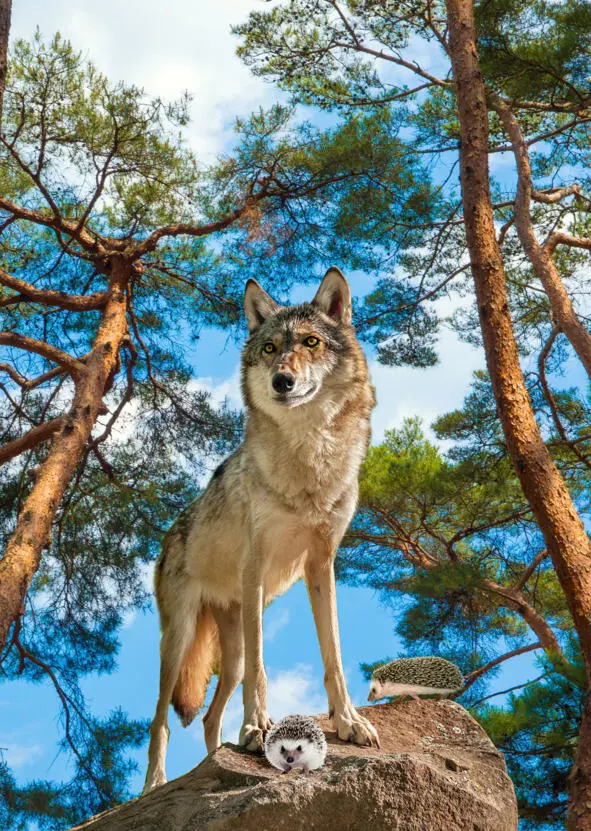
(302, 485)
(309, 463)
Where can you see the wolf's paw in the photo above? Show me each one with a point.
(154, 781)
(351, 727)
(253, 731)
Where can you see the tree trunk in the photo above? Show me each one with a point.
(33, 529)
(579, 807)
(543, 485)
(541, 259)
(5, 12)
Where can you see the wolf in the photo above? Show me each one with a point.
(275, 511)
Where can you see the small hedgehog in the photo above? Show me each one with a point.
(295, 742)
(414, 677)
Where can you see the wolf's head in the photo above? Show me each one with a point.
(297, 353)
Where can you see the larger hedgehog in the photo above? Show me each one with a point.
(295, 742)
(415, 677)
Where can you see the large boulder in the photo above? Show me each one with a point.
(437, 770)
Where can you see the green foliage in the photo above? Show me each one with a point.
(326, 174)
(403, 332)
(308, 48)
(538, 50)
(69, 117)
(100, 780)
(367, 193)
(361, 58)
(445, 539)
(537, 731)
(103, 154)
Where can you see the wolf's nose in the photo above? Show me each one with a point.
(282, 382)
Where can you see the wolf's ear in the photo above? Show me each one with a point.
(334, 296)
(258, 305)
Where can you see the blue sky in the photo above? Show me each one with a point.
(168, 48)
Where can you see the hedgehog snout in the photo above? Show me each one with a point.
(373, 693)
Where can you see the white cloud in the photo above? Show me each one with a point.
(166, 48)
(407, 391)
(289, 691)
(229, 389)
(20, 755)
(295, 691)
(129, 618)
(274, 623)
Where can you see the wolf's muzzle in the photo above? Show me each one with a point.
(282, 382)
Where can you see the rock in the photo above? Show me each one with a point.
(437, 770)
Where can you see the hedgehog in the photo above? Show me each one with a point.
(415, 676)
(295, 742)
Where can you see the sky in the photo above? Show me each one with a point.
(168, 48)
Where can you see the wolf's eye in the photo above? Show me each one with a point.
(312, 341)
(269, 348)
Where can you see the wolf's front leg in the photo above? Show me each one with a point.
(320, 580)
(256, 719)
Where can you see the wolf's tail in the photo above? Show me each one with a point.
(199, 664)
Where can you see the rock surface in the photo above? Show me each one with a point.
(437, 770)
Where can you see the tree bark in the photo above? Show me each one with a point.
(539, 255)
(478, 673)
(514, 599)
(5, 13)
(543, 485)
(33, 529)
(49, 297)
(42, 432)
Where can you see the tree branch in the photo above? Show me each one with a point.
(88, 241)
(150, 242)
(552, 401)
(124, 401)
(542, 555)
(540, 256)
(504, 148)
(514, 599)
(510, 689)
(154, 381)
(550, 197)
(543, 106)
(563, 238)
(478, 673)
(38, 434)
(66, 702)
(33, 382)
(412, 66)
(73, 365)
(49, 297)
